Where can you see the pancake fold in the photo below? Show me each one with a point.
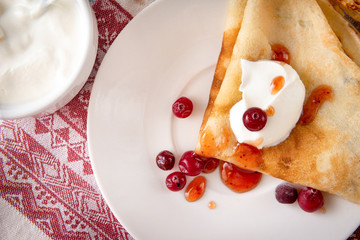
(324, 50)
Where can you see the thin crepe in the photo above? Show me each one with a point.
(324, 154)
(344, 30)
(350, 7)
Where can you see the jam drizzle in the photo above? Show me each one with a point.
(280, 53)
(317, 97)
(249, 157)
(277, 84)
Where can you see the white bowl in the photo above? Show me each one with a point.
(60, 96)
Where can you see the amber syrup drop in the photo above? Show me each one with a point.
(270, 111)
(212, 205)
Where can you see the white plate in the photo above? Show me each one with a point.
(170, 50)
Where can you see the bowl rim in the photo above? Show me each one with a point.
(56, 99)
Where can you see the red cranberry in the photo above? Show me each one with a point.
(191, 164)
(175, 181)
(254, 119)
(165, 160)
(310, 199)
(182, 107)
(285, 193)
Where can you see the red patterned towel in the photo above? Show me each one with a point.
(45, 171)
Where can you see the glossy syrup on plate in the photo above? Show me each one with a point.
(237, 179)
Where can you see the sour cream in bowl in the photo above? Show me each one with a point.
(46, 57)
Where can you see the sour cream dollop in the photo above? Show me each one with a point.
(276, 88)
(39, 52)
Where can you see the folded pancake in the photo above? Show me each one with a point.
(344, 30)
(349, 7)
(233, 22)
(323, 154)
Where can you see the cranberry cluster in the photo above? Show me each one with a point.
(309, 199)
(190, 164)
